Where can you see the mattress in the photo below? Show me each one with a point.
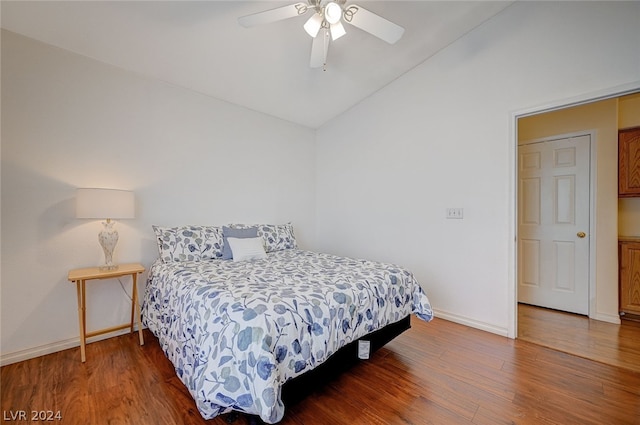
(237, 331)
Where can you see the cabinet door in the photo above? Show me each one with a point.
(629, 162)
(630, 277)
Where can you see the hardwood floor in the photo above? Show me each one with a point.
(435, 373)
(617, 345)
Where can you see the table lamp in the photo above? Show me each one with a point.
(106, 204)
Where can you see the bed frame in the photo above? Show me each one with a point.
(298, 388)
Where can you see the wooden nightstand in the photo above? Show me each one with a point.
(80, 277)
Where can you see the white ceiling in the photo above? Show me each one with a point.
(200, 46)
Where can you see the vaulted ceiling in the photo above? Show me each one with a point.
(200, 46)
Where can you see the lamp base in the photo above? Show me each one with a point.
(108, 238)
(108, 268)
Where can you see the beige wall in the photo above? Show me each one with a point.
(601, 117)
(629, 208)
(629, 111)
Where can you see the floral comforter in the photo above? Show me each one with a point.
(236, 331)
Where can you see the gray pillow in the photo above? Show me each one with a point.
(230, 232)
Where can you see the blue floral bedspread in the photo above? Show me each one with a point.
(237, 331)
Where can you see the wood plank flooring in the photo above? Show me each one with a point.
(435, 373)
(618, 345)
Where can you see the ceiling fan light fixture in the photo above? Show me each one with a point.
(313, 24)
(332, 12)
(337, 31)
(326, 24)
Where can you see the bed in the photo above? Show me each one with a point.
(236, 330)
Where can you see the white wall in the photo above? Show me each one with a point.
(68, 122)
(375, 185)
(442, 136)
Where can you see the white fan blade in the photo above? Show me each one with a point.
(273, 15)
(373, 24)
(319, 49)
(337, 31)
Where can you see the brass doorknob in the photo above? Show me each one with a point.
(581, 234)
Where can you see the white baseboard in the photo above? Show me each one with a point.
(606, 317)
(54, 347)
(471, 323)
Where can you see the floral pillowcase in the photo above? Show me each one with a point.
(198, 243)
(277, 236)
(189, 243)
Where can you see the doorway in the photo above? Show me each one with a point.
(602, 119)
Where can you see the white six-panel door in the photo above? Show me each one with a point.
(553, 224)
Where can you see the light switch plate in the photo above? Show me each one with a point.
(455, 213)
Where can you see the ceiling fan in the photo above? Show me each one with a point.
(326, 23)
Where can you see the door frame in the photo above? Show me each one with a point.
(515, 115)
(592, 206)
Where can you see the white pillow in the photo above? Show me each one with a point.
(246, 248)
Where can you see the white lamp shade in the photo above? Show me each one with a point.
(313, 24)
(104, 203)
(337, 31)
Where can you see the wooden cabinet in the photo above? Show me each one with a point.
(629, 255)
(629, 162)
